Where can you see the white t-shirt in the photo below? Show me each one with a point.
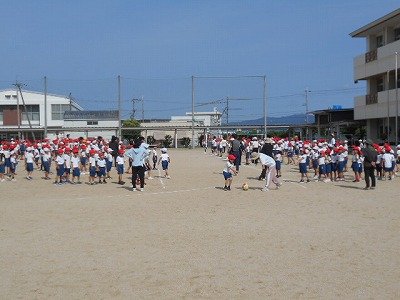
(60, 160)
(29, 157)
(75, 161)
(101, 162)
(164, 156)
(228, 167)
(120, 160)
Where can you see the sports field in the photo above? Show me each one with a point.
(186, 238)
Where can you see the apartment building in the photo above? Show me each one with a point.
(378, 66)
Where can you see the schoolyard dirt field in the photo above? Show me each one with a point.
(186, 238)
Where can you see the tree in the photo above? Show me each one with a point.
(167, 141)
(131, 134)
(185, 142)
(151, 140)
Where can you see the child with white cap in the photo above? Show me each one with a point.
(164, 160)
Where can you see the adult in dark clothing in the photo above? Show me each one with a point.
(370, 157)
(236, 149)
(267, 150)
(267, 147)
(113, 144)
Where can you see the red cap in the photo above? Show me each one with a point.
(231, 157)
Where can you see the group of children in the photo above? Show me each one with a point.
(71, 159)
(327, 162)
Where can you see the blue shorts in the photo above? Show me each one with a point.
(60, 171)
(322, 169)
(120, 169)
(46, 166)
(102, 171)
(164, 164)
(76, 172)
(388, 169)
(303, 168)
(108, 165)
(334, 167)
(2, 169)
(67, 170)
(290, 154)
(83, 161)
(29, 167)
(357, 167)
(328, 168)
(278, 165)
(315, 164)
(227, 175)
(8, 162)
(92, 171)
(340, 166)
(248, 154)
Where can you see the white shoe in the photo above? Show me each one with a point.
(134, 189)
(150, 177)
(265, 189)
(141, 189)
(168, 177)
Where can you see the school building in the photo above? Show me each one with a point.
(378, 67)
(34, 115)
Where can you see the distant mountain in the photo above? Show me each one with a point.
(296, 119)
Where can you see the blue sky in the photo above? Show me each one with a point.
(156, 46)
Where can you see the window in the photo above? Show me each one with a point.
(58, 110)
(380, 84)
(92, 122)
(1, 114)
(33, 113)
(397, 34)
(379, 41)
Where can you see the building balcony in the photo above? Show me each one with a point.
(376, 62)
(375, 106)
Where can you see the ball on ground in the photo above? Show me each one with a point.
(245, 187)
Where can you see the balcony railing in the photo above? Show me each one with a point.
(371, 99)
(371, 56)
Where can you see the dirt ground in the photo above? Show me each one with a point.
(186, 238)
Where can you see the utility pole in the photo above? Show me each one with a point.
(142, 108)
(396, 79)
(19, 85)
(134, 101)
(307, 111)
(119, 109)
(70, 101)
(45, 107)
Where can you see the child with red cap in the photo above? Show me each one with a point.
(60, 166)
(120, 166)
(228, 170)
(76, 167)
(92, 166)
